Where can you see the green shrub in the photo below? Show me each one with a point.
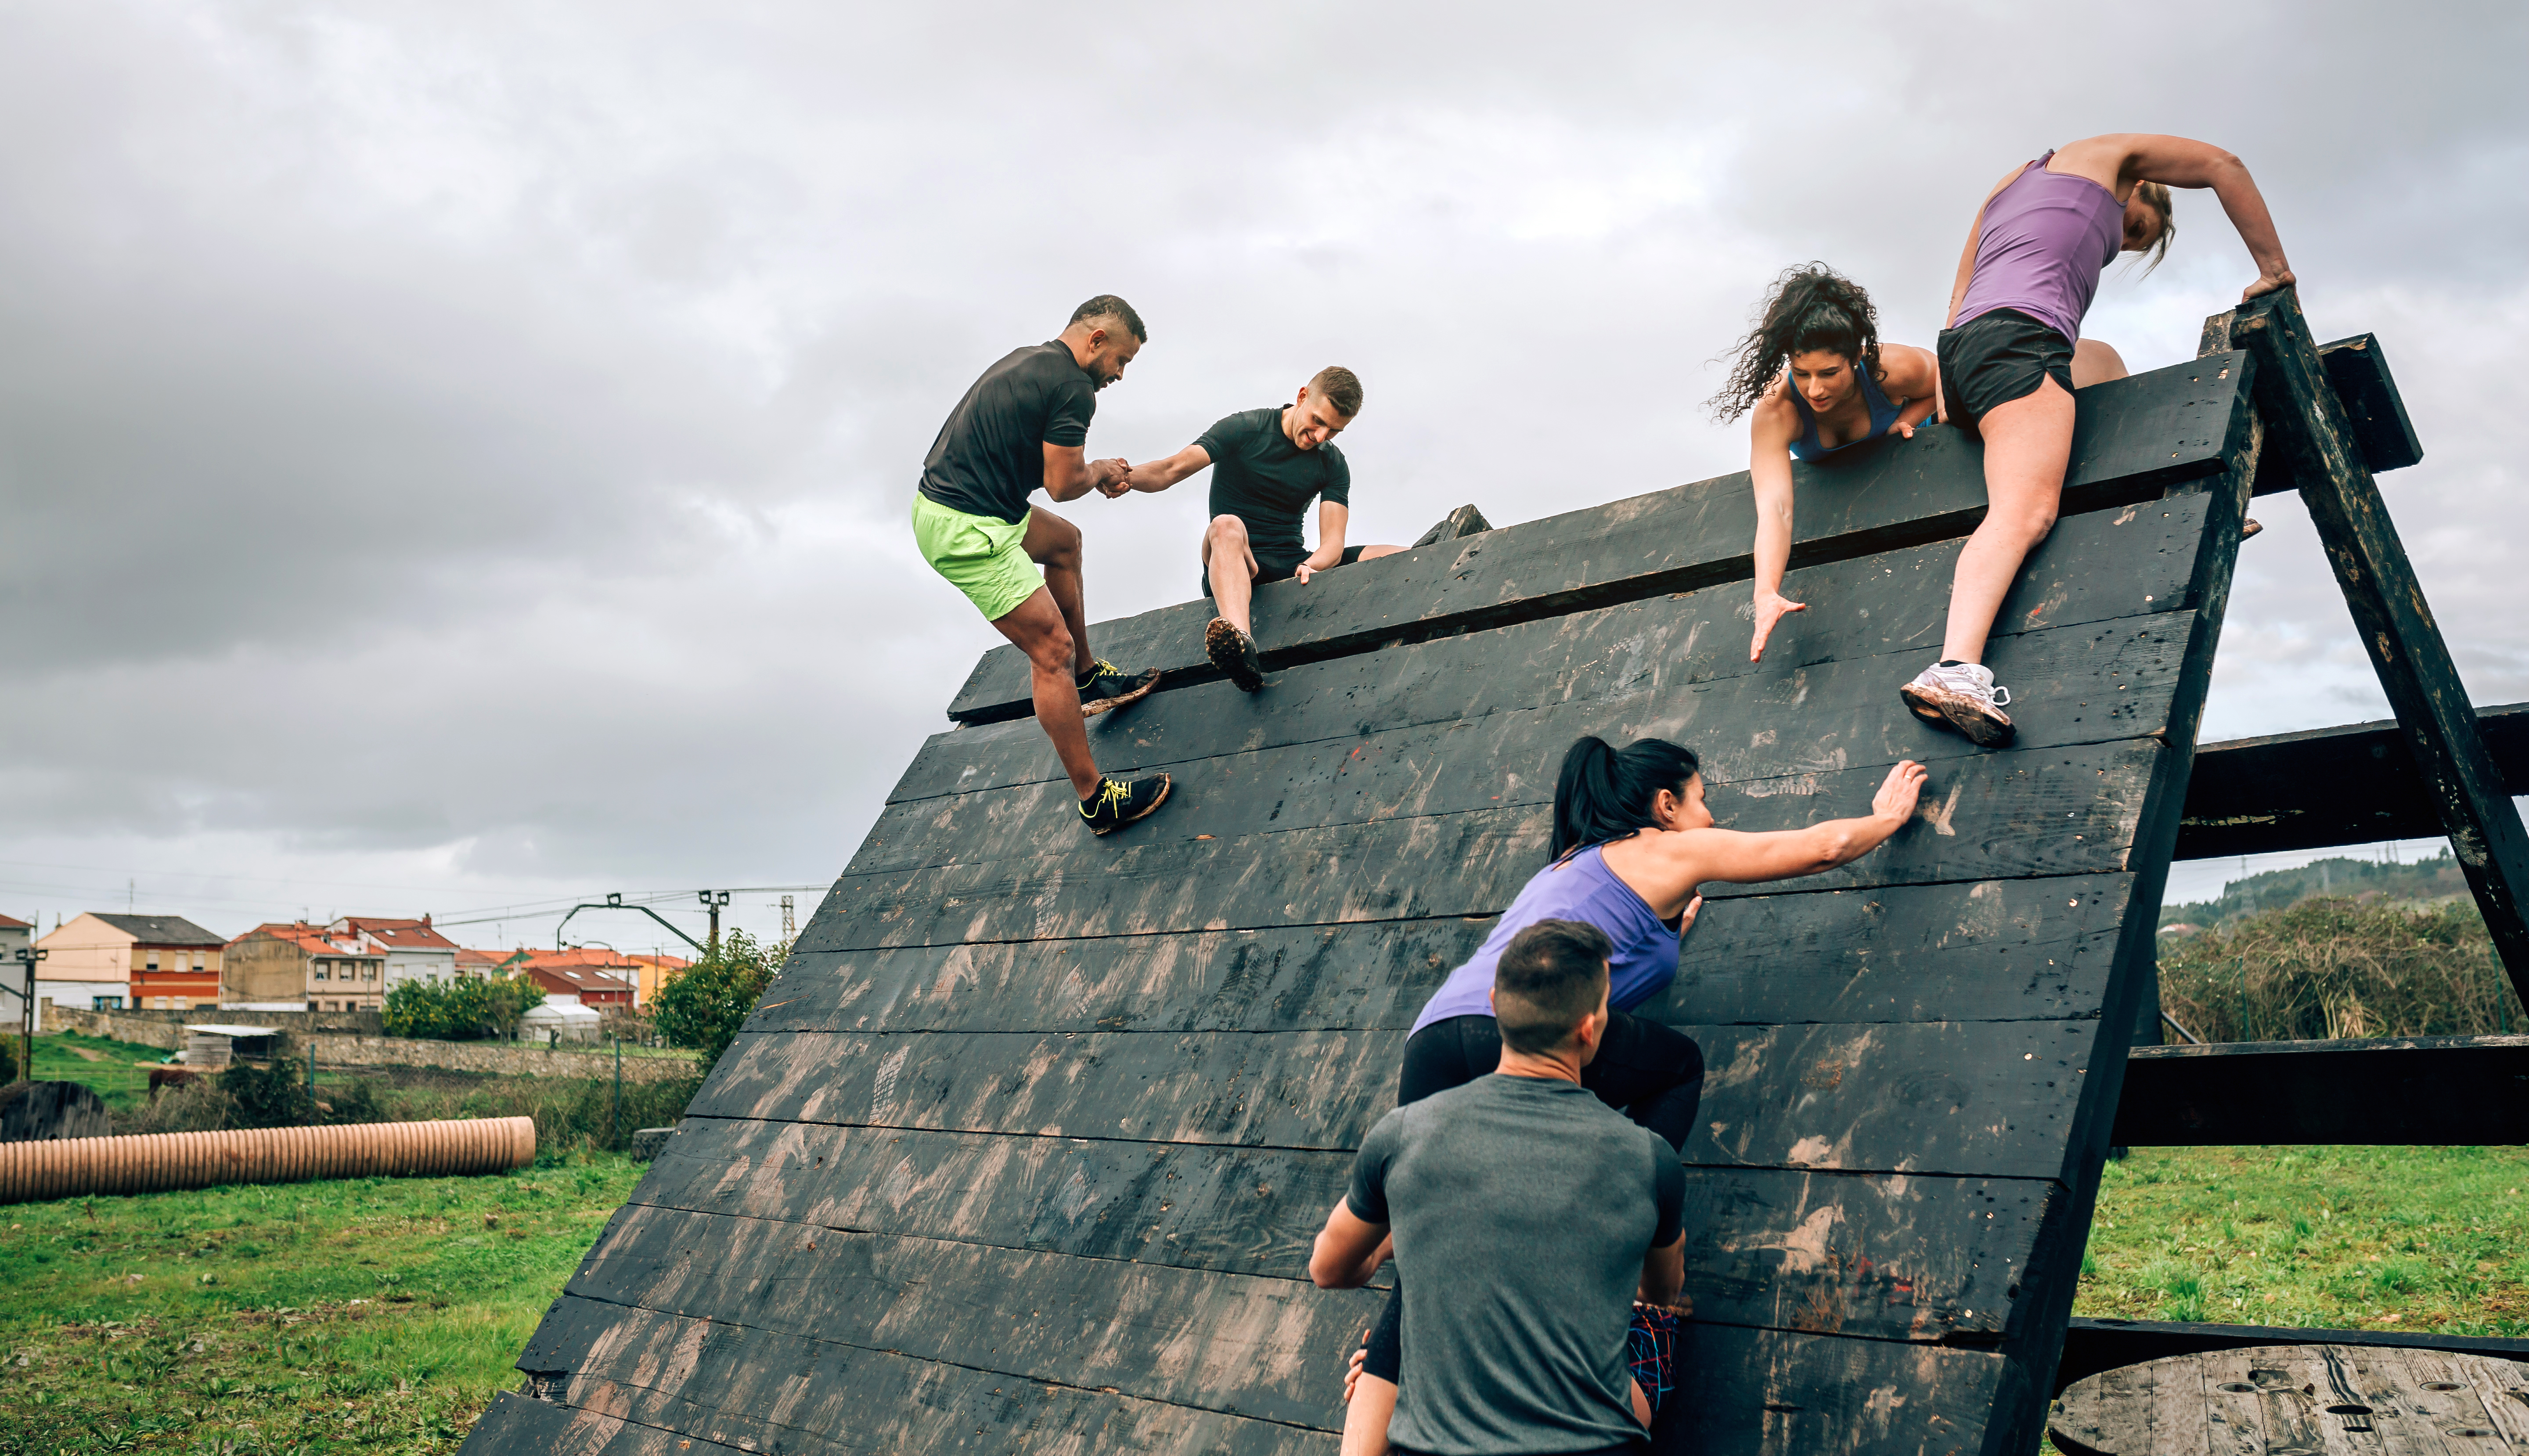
(2331, 968)
(467, 1008)
(703, 1007)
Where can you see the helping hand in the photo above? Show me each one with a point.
(1771, 609)
(1897, 794)
(1112, 477)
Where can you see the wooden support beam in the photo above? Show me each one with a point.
(2094, 1346)
(2356, 785)
(2377, 1092)
(2307, 426)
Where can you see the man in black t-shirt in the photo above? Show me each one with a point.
(1269, 464)
(1525, 1217)
(1022, 426)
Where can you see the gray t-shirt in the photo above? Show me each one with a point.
(1523, 1208)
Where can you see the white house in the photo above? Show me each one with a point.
(15, 936)
(414, 951)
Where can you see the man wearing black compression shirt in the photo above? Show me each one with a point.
(1269, 464)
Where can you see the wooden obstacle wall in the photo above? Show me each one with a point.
(1025, 1147)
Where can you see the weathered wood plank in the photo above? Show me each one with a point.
(2398, 629)
(520, 1422)
(2102, 567)
(2068, 811)
(2094, 1346)
(1745, 1392)
(2082, 685)
(1990, 950)
(1919, 1257)
(2134, 438)
(768, 1393)
(2389, 1091)
(1237, 1343)
(2356, 785)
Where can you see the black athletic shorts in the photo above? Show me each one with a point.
(1278, 568)
(1996, 358)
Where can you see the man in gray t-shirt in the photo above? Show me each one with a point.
(1525, 1214)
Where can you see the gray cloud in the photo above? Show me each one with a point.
(458, 455)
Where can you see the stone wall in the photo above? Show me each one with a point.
(508, 1058)
(296, 1023)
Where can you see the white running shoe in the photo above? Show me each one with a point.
(1963, 698)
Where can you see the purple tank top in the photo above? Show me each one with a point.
(1581, 889)
(2041, 234)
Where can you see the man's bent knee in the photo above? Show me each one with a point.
(1227, 531)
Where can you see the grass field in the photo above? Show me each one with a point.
(108, 1066)
(381, 1316)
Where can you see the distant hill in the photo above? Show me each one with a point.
(2364, 881)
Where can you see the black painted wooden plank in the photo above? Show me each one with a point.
(2101, 567)
(1987, 951)
(1297, 1089)
(2356, 785)
(2094, 1346)
(769, 1392)
(2068, 811)
(2133, 439)
(2398, 629)
(1299, 978)
(1997, 950)
(2399, 1091)
(1745, 1392)
(1233, 1342)
(2357, 370)
(520, 1422)
(2077, 686)
(1918, 1257)
(1466, 520)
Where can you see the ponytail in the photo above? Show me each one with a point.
(1605, 794)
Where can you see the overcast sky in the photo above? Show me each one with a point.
(456, 456)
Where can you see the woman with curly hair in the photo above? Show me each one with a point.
(2010, 360)
(1813, 379)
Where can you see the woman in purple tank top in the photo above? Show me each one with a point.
(1633, 843)
(2032, 262)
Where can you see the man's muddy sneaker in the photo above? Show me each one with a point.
(1962, 696)
(1233, 652)
(1107, 687)
(1117, 803)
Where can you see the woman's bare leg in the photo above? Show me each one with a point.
(2027, 442)
(2094, 363)
(1369, 1404)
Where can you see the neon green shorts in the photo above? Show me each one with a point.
(980, 555)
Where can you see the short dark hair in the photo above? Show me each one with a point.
(1549, 976)
(1339, 387)
(1108, 306)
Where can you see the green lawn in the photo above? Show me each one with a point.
(2383, 1238)
(108, 1066)
(371, 1315)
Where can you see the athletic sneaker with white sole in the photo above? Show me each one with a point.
(1962, 696)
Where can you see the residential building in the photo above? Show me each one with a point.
(414, 951)
(595, 975)
(654, 972)
(160, 962)
(295, 963)
(471, 962)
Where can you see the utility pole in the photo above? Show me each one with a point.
(714, 900)
(27, 957)
(789, 927)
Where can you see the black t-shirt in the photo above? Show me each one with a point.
(1264, 480)
(1522, 1209)
(989, 455)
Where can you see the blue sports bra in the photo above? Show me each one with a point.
(1883, 413)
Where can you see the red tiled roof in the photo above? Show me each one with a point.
(310, 939)
(578, 978)
(404, 934)
(11, 922)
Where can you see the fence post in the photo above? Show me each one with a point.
(311, 1076)
(614, 1118)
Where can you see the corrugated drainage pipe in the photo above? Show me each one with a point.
(157, 1162)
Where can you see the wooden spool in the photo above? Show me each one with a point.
(2298, 1400)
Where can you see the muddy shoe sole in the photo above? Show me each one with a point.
(1234, 654)
(1983, 725)
(1095, 706)
(1166, 783)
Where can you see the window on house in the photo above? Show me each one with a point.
(197, 960)
(153, 960)
(324, 970)
(370, 973)
(105, 1003)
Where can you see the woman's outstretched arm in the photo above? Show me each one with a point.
(1682, 859)
(1771, 427)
